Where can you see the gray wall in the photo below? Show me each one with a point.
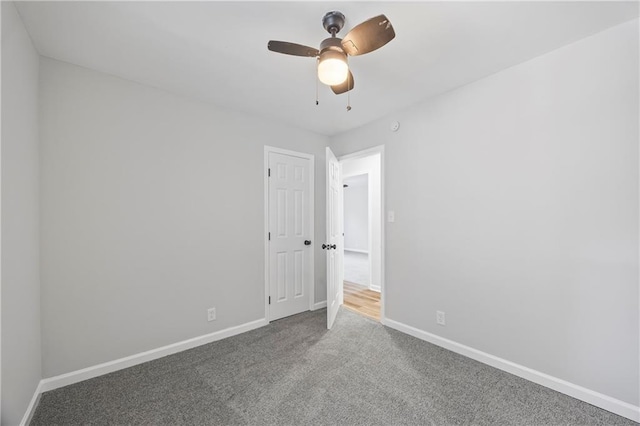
(152, 211)
(21, 365)
(516, 213)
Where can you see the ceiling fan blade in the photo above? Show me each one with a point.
(345, 86)
(368, 36)
(292, 49)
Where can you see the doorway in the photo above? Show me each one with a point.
(363, 232)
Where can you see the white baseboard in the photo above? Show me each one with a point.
(375, 288)
(320, 305)
(595, 398)
(31, 408)
(129, 361)
(587, 395)
(357, 250)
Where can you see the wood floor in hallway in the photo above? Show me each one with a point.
(361, 300)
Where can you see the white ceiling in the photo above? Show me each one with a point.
(217, 51)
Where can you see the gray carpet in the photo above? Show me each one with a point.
(294, 371)
(356, 268)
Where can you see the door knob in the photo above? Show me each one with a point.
(307, 242)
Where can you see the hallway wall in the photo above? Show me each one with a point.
(356, 214)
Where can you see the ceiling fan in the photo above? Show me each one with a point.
(333, 68)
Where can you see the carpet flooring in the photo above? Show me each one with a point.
(294, 371)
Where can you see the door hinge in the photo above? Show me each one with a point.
(269, 172)
(269, 299)
(269, 236)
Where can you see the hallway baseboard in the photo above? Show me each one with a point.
(357, 250)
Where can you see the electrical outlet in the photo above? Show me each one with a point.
(211, 314)
(440, 317)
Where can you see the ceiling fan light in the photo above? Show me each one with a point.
(333, 68)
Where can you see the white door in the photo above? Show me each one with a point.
(333, 244)
(289, 235)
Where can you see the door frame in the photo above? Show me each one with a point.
(311, 285)
(366, 153)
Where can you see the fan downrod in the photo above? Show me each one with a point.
(333, 22)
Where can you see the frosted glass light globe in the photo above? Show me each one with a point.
(332, 69)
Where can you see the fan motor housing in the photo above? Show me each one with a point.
(333, 22)
(331, 43)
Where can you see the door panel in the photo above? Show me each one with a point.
(290, 221)
(334, 237)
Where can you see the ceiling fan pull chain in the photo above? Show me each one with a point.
(317, 65)
(348, 85)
